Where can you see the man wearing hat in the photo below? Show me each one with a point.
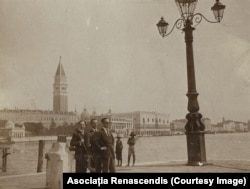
(131, 147)
(118, 150)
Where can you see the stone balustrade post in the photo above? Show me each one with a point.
(59, 160)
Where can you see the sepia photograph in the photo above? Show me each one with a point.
(123, 86)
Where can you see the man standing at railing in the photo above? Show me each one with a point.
(131, 147)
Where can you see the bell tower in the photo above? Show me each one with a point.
(60, 98)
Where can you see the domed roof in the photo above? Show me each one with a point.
(85, 114)
(94, 113)
(10, 125)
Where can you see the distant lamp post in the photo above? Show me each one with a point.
(195, 129)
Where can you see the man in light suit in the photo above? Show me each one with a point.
(104, 142)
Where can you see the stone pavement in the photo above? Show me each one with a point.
(38, 180)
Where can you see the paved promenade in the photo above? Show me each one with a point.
(38, 180)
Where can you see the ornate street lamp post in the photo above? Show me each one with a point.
(194, 127)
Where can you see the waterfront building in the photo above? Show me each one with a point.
(47, 118)
(178, 126)
(241, 127)
(208, 125)
(119, 124)
(149, 123)
(12, 131)
(230, 126)
(218, 128)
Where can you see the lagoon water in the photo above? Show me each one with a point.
(233, 146)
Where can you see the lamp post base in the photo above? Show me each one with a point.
(196, 148)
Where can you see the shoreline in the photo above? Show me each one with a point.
(54, 138)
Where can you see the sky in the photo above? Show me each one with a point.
(114, 57)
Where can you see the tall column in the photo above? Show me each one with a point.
(194, 127)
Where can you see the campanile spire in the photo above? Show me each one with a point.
(60, 94)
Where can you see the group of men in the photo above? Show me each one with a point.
(94, 149)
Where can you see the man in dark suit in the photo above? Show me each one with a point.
(78, 141)
(104, 142)
(93, 149)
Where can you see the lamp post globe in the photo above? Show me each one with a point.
(186, 7)
(162, 26)
(218, 10)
